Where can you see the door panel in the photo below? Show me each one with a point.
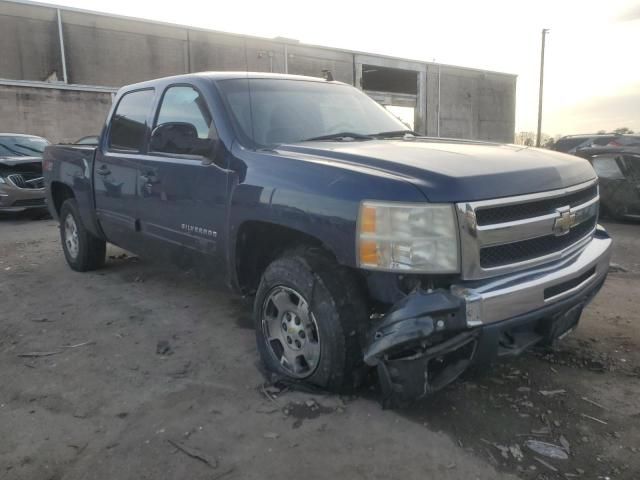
(116, 168)
(182, 196)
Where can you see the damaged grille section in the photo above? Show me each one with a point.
(27, 180)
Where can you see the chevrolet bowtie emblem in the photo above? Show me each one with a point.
(562, 224)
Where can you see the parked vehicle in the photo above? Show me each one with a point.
(88, 140)
(575, 143)
(363, 244)
(618, 169)
(21, 182)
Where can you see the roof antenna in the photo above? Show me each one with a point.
(328, 76)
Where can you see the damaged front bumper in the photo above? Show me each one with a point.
(429, 338)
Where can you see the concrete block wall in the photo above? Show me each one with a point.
(58, 115)
(109, 51)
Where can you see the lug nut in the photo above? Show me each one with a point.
(297, 321)
(298, 344)
(289, 340)
(301, 334)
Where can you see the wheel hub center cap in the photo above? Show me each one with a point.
(293, 330)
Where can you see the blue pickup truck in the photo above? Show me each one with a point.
(366, 247)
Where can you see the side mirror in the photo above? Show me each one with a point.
(180, 138)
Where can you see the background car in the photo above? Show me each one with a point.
(574, 143)
(21, 182)
(618, 170)
(88, 140)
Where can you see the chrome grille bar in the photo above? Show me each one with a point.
(546, 226)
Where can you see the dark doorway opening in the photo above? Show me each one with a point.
(393, 80)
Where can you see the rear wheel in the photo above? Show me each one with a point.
(309, 317)
(82, 250)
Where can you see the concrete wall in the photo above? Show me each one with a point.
(58, 115)
(473, 104)
(108, 51)
(28, 42)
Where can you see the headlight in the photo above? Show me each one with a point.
(419, 238)
(606, 166)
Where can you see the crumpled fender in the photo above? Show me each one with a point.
(412, 321)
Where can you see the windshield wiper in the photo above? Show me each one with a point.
(16, 152)
(394, 134)
(26, 147)
(335, 136)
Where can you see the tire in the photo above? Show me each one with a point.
(334, 319)
(82, 250)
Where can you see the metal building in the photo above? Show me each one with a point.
(60, 66)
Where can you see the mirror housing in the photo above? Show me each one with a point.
(181, 138)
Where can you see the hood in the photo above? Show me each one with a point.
(16, 161)
(453, 171)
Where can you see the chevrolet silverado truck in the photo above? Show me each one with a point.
(367, 248)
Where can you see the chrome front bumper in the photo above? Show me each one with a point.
(510, 296)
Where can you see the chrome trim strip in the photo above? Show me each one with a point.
(528, 228)
(513, 295)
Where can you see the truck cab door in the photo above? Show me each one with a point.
(182, 187)
(115, 175)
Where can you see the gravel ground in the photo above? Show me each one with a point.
(150, 374)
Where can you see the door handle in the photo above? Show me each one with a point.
(103, 170)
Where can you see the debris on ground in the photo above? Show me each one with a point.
(516, 452)
(164, 348)
(271, 435)
(551, 393)
(548, 450)
(593, 403)
(584, 415)
(546, 464)
(617, 268)
(195, 453)
(565, 444)
(54, 352)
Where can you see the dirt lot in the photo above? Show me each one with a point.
(151, 375)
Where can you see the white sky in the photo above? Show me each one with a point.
(592, 78)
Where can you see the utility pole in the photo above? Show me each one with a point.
(544, 35)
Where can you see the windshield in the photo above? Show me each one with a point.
(268, 112)
(19, 146)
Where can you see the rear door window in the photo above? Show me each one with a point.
(129, 122)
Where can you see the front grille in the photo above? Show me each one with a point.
(31, 202)
(27, 180)
(536, 208)
(515, 252)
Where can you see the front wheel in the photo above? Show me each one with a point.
(309, 317)
(82, 250)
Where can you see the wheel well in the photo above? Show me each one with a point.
(59, 193)
(258, 244)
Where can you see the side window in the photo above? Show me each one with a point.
(183, 123)
(185, 105)
(129, 122)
